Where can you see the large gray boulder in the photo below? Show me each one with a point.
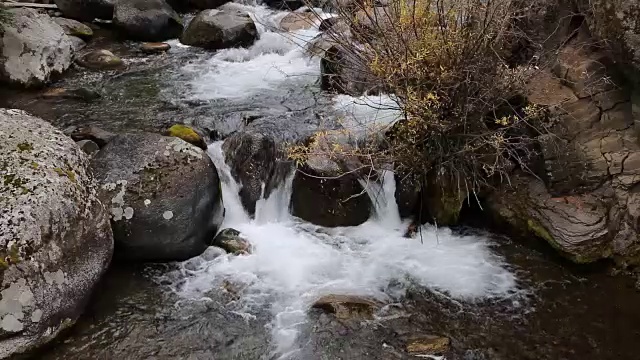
(163, 194)
(147, 20)
(215, 29)
(86, 10)
(55, 237)
(33, 48)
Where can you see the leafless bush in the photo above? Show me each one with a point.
(449, 65)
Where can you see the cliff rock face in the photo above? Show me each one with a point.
(586, 202)
(55, 237)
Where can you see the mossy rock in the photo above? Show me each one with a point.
(100, 60)
(74, 28)
(187, 134)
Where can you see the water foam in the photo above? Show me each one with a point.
(275, 58)
(294, 262)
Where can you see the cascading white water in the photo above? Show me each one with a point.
(294, 262)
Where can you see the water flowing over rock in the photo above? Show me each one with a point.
(147, 20)
(329, 192)
(255, 161)
(55, 238)
(215, 29)
(232, 241)
(86, 10)
(163, 195)
(34, 49)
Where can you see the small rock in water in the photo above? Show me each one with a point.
(100, 60)
(99, 136)
(88, 146)
(85, 94)
(187, 134)
(154, 47)
(428, 345)
(74, 28)
(232, 241)
(77, 43)
(347, 306)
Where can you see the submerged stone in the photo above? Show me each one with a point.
(100, 60)
(232, 241)
(347, 306)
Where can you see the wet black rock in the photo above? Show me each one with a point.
(86, 10)
(254, 160)
(215, 29)
(329, 193)
(163, 194)
(147, 20)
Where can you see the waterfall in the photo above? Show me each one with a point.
(293, 262)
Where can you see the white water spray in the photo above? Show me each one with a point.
(294, 263)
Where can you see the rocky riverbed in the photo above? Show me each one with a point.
(183, 148)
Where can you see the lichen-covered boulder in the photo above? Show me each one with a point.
(328, 191)
(33, 48)
(216, 29)
(74, 28)
(147, 20)
(55, 237)
(86, 10)
(255, 161)
(163, 195)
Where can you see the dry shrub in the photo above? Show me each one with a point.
(464, 116)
